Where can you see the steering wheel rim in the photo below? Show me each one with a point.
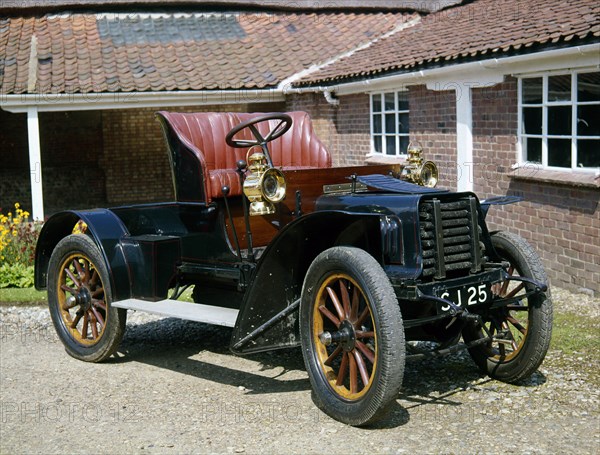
(280, 129)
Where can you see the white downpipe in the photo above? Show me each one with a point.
(35, 164)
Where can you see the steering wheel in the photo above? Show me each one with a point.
(285, 123)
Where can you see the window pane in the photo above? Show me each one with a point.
(533, 149)
(588, 120)
(559, 120)
(403, 123)
(403, 144)
(376, 99)
(377, 123)
(377, 143)
(588, 86)
(588, 153)
(532, 90)
(390, 144)
(559, 152)
(532, 120)
(403, 101)
(559, 88)
(390, 123)
(389, 101)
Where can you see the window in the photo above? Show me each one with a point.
(559, 125)
(389, 123)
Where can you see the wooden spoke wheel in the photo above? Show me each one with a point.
(80, 294)
(352, 335)
(345, 341)
(79, 297)
(521, 331)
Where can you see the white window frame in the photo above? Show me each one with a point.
(399, 153)
(573, 103)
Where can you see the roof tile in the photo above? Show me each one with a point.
(95, 52)
(468, 31)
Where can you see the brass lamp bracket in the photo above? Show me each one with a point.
(264, 186)
(419, 172)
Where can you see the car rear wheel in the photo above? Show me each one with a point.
(79, 296)
(521, 331)
(352, 335)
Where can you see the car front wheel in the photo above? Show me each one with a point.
(352, 335)
(521, 331)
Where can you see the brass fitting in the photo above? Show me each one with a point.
(264, 185)
(419, 172)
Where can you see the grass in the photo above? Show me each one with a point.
(27, 295)
(573, 333)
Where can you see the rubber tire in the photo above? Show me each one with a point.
(367, 272)
(520, 254)
(117, 317)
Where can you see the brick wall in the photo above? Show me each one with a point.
(71, 145)
(433, 124)
(353, 127)
(135, 159)
(345, 130)
(561, 220)
(322, 115)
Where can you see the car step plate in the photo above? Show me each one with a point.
(191, 311)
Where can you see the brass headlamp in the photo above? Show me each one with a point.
(264, 185)
(417, 171)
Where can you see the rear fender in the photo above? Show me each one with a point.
(279, 276)
(105, 228)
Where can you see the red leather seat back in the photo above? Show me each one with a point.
(203, 135)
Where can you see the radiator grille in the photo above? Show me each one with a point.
(450, 234)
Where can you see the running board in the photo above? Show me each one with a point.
(191, 311)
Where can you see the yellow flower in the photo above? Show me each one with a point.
(17, 205)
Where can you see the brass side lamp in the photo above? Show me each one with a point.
(264, 185)
(419, 172)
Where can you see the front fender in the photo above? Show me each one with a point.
(277, 282)
(104, 227)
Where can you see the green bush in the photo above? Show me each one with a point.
(18, 237)
(16, 275)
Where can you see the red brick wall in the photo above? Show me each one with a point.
(322, 115)
(345, 129)
(433, 124)
(562, 221)
(353, 126)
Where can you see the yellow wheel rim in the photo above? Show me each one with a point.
(348, 360)
(81, 300)
(510, 328)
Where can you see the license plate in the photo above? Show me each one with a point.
(465, 296)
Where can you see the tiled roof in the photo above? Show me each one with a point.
(154, 52)
(481, 29)
(283, 5)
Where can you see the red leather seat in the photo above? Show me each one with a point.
(202, 136)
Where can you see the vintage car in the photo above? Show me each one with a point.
(349, 263)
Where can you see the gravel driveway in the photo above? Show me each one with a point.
(175, 388)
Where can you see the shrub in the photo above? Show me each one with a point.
(18, 237)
